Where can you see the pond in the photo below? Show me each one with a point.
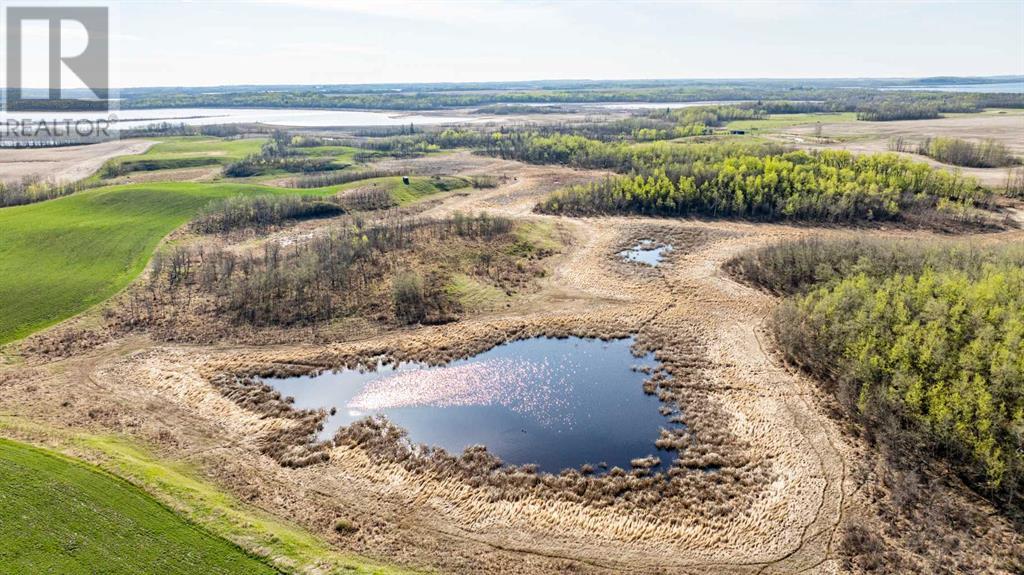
(647, 252)
(556, 403)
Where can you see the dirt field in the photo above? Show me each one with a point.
(65, 164)
(873, 137)
(790, 477)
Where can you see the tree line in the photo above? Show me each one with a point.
(837, 98)
(922, 342)
(36, 189)
(262, 212)
(833, 186)
(958, 152)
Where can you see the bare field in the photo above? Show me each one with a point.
(873, 137)
(65, 164)
(790, 477)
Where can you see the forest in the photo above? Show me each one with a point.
(922, 341)
(832, 186)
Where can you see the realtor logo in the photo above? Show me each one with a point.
(91, 65)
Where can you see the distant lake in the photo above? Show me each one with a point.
(271, 116)
(1004, 87)
(635, 105)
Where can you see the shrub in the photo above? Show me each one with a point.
(409, 298)
(987, 154)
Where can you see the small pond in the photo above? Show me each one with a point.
(556, 403)
(647, 252)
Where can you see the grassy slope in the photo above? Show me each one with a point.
(181, 488)
(60, 257)
(61, 516)
(184, 151)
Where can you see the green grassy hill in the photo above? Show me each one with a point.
(61, 516)
(60, 257)
(183, 152)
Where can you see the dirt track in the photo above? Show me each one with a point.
(784, 513)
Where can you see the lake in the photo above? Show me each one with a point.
(270, 116)
(556, 403)
(1001, 87)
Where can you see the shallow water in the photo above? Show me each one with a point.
(1000, 87)
(557, 403)
(272, 116)
(647, 252)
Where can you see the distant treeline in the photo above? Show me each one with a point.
(839, 99)
(923, 342)
(890, 106)
(183, 129)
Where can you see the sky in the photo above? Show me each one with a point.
(338, 42)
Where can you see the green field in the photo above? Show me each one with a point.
(781, 121)
(344, 154)
(61, 516)
(60, 257)
(192, 151)
(184, 152)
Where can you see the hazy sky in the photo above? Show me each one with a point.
(323, 42)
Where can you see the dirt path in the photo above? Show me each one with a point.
(779, 509)
(66, 164)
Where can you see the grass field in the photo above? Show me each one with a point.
(781, 121)
(344, 154)
(185, 152)
(60, 257)
(61, 516)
